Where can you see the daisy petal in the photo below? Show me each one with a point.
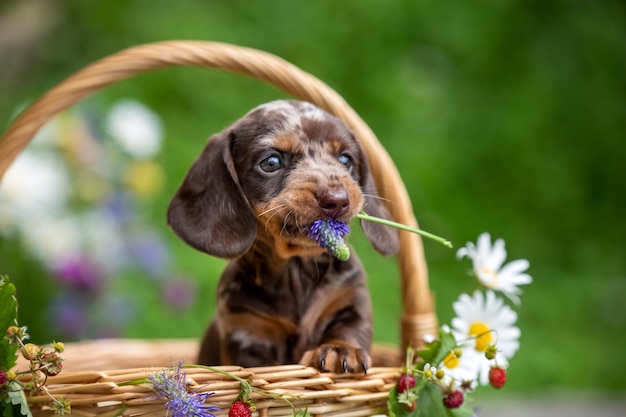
(497, 255)
(515, 267)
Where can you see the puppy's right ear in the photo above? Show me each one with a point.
(209, 211)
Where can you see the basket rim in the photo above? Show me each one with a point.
(105, 392)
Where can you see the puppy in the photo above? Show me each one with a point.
(249, 198)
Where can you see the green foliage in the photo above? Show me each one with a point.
(429, 401)
(429, 404)
(8, 317)
(16, 404)
(435, 352)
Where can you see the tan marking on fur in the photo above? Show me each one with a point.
(261, 324)
(333, 146)
(258, 327)
(287, 247)
(324, 308)
(287, 144)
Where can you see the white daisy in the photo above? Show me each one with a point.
(458, 369)
(36, 183)
(488, 266)
(482, 321)
(136, 128)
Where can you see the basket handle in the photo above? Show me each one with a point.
(418, 310)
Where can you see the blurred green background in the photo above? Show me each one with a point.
(502, 116)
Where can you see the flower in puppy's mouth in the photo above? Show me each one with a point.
(329, 235)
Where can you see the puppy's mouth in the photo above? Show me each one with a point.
(303, 229)
(296, 233)
(294, 227)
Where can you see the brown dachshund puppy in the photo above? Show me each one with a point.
(249, 198)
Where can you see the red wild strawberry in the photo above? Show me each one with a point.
(453, 400)
(3, 377)
(497, 377)
(51, 364)
(405, 382)
(239, 409)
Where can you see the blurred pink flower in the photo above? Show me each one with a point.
(150, 251)
(69, 316)
(179, 293)
(79, 272)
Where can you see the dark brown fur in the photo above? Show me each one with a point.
(282, 299)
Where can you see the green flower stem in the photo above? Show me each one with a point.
(247, 388)
(364, 216)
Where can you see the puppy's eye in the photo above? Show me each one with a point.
(271, 163)
(345, 159)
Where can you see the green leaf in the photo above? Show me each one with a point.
(430, 403)
(395, 408)
(8, 317)
(18, 401)
(448, 344)
(6, 410)
(430, 353)
(438, 349)
(463, 411)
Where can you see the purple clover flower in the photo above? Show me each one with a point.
(118, 207)
(68, 312)
(329, 235)
(170, 385)
(79, 272)
(151, 252)
(178, 293)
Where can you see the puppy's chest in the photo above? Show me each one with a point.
(289, 292)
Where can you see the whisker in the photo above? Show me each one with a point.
(285, 221)
(377, 197)
(297, 221)
(280, 206)
(275, 209)
(276, 212)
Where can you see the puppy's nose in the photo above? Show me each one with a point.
(334, 203)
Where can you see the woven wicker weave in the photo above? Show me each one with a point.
(95, 391)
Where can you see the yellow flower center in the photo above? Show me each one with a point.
(451, 361)
(483, 335)
(145, 177)
(493, 277)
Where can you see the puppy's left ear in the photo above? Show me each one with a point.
(383, 238)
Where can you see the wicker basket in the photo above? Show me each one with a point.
(97, 390)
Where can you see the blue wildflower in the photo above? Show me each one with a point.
(170, 385)
(329, 234)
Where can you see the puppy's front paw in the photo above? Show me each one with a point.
(337, 357)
